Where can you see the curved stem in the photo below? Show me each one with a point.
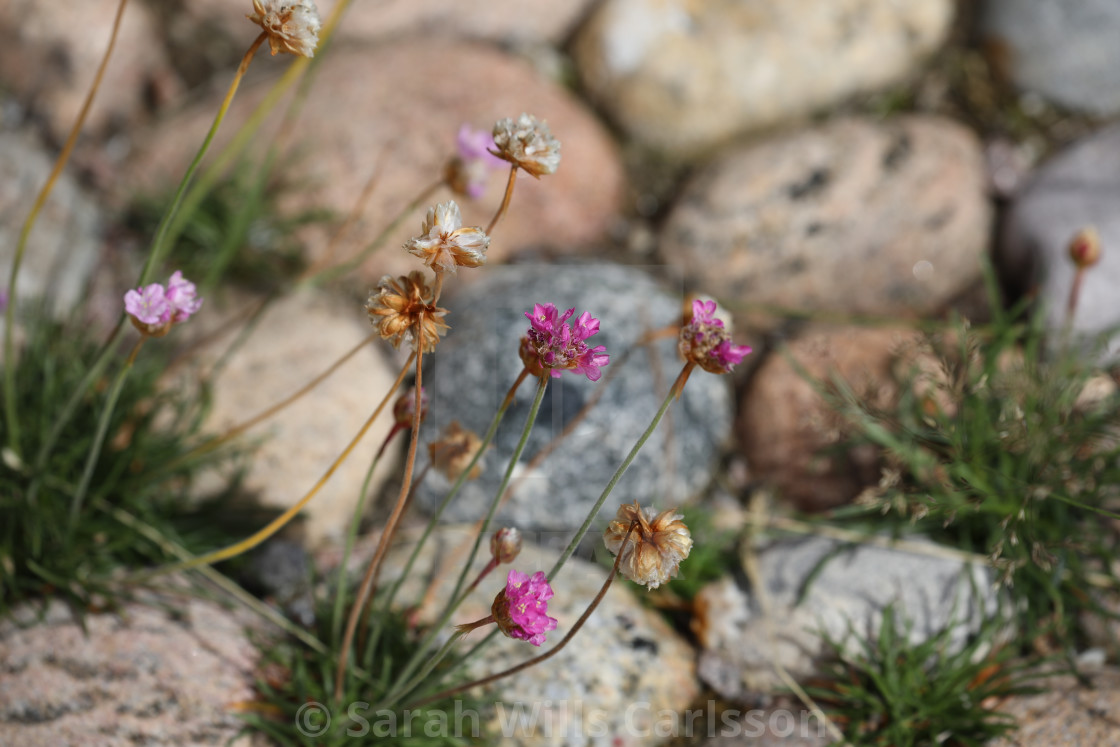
(99, 436)
(547, 654)
(10, 402)
(505, 200)
(674, 393)
(278, 523)
(386, 535)
(155, 253)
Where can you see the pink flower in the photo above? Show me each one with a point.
(705, 341)
(148, 305)
(521, 609)
(470, 170)
(554, 345)
(153, 309)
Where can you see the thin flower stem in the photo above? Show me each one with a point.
(547, 654)
(505, 200)
(99, 437)
(429, 665)
(674, 393)
(278, 523)
(208, 446)
(456, 597)
(482, 574)
(10, 399)
(351, 536)
(387, 534)
(459, 482)
(155, 253)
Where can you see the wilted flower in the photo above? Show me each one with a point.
(402, 308)
(445, 244)
(554, 345)
(405, 407)
(705, 341)
(454, 450)
(469, 171)
(521, 609)
(505, 545)
(656, 547)
(527, 144)
(292, 26)
(153, 309)
(1085, 247)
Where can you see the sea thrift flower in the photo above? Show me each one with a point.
(454, 450)
(153, 309)
(656, 547)
(292, 26)
(505, 545)
(1085, 247)
(527, 144)
(553, 345)
(705, 341)
(445, 244)
(469, 171)
(402, 310)
(521, 609)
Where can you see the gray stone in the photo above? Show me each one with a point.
(478, 361)
(684, 76)
(142, 675)
(1064, 50)
(854, 217)
(1077, 188)
(624, 673)
(64, 245)
(743, 633)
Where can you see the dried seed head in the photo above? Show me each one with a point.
(528, 144)
(292, 26)
(658, 544)
(445, 243)
(454, 450)
(401, 308)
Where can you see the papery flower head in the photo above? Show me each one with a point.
(521, 609)
(554, 345)
(405, 407)
(445, 243)
(402, 310)
(153, 308)
(528, 144)
(454, 450)
(705, 341)
(292, 26)
(656, 547)
(468, 172)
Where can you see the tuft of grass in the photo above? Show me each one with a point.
(295, 688)
(150, 429)
(892, 693)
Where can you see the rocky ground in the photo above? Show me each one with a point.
(843, 161)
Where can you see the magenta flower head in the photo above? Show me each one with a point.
(521, 609)
(468, 173)
(153, 309)
(554, 345)
(705, 341)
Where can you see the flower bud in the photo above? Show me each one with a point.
(505, 545)
(405, 407)
(1085, 247)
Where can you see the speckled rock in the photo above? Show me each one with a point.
(622, 673)
(742, 633)
(395, 109)
(855, 216)
(138, 676)
(478, 361)
(298, 338)
(1077, 188)
(1066, 712)
(790, 434)
(51, 52)
(65, 243)
(1065, 51)
(784, 723)
(682, 76)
